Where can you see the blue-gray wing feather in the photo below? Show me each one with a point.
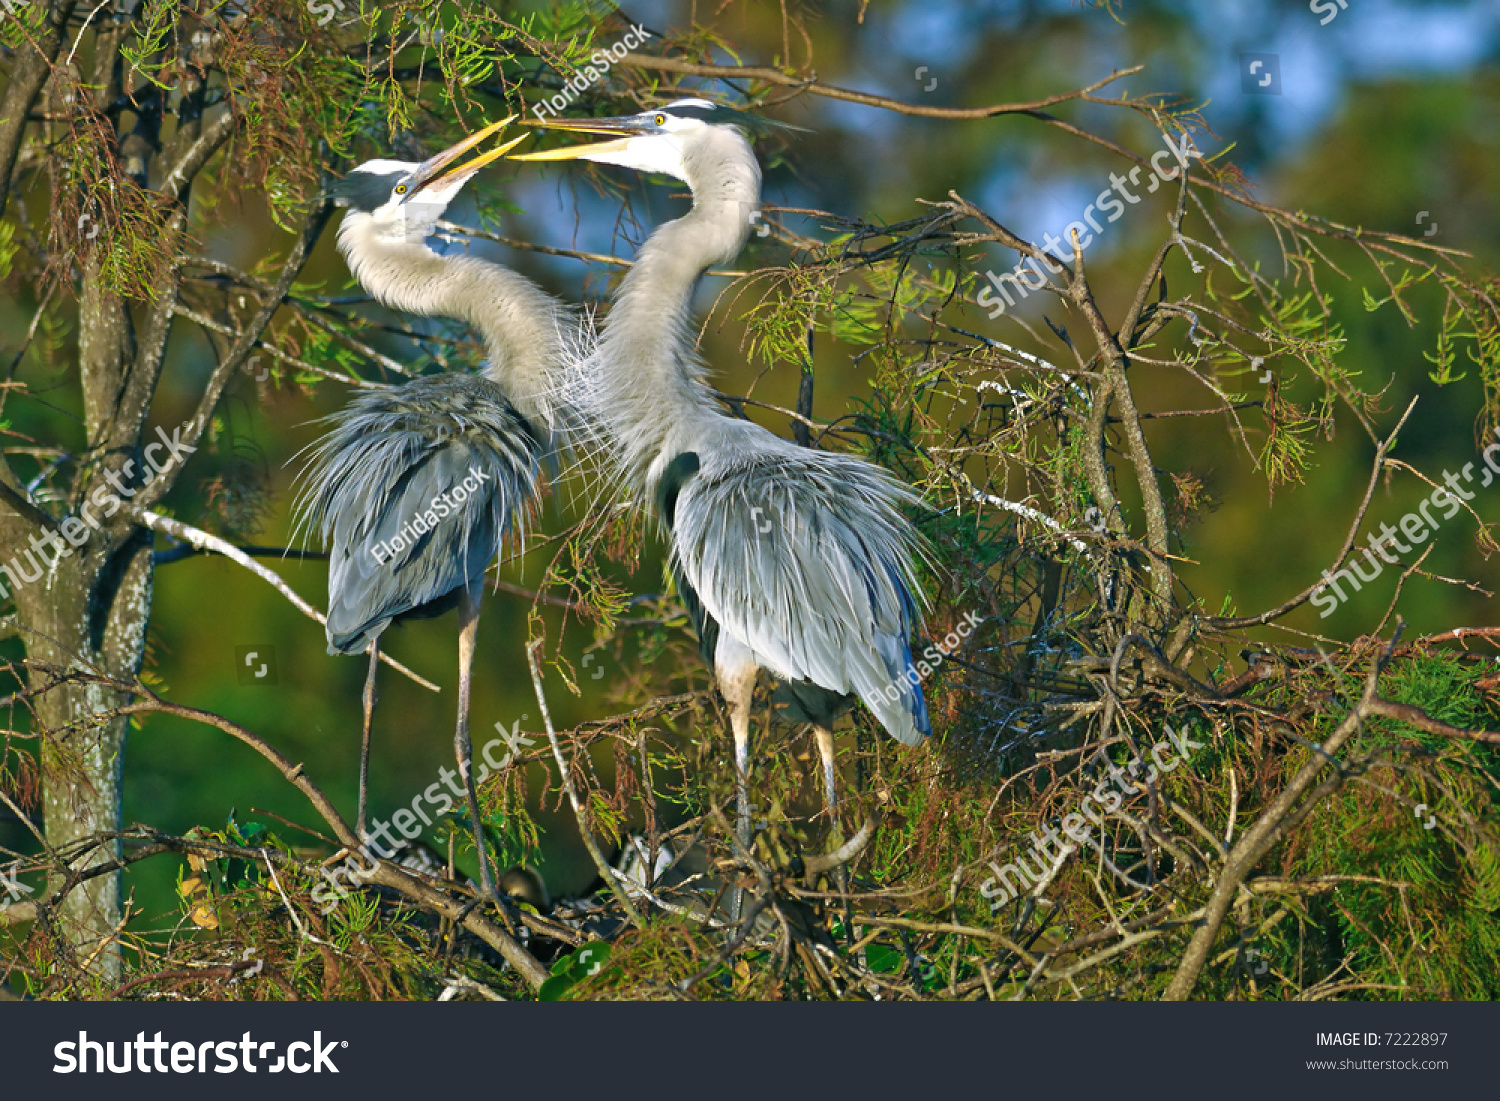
(395, 463)
(806, 558)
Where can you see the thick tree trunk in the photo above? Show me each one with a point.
(86, 611)
(89, 609)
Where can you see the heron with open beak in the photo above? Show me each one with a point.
(415, 489)
(789, 559)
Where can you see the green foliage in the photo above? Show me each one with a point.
(146, 53)
(8, 248)
(1018, 433)
(22, 24)
(1413, 911)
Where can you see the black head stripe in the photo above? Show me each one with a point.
(365, 191)
(703, 114)
(719, 115)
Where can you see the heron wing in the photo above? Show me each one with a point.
(806, 559)
(414, 490)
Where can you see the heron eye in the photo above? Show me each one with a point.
(400, 189)
(661, 120)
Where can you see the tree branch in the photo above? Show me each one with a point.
(1272, 825)
(1235, 622)
(814, 85)
(386, 874)
(27, 79)
(203, 541)
(312, 228)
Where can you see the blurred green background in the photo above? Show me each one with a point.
(1387, 111)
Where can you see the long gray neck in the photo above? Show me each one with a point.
(646, 383)
(525, 329)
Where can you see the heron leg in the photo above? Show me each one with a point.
(468, 630)
(739, 721)
(737, 683)
(364, 745)
(735, 669)
(824, 737)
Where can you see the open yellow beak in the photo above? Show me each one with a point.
(573, 152)
(428, 173)
(630, 125)
(468, 168)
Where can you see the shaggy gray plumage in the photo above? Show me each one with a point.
(391, 453)
(415, 489)
(387, 470)
(793, 560)
(804, 558)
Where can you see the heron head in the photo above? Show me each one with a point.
(400, 199)
(673, 140)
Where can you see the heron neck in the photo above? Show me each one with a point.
(524, 332)
(522, 325)
(650, 389)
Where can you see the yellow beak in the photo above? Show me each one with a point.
(573, 152)
(468, 168)
(630, 125)
(427, 174)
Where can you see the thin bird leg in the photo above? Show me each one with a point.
(824, 737)
(468, 629)
(738, 686)
(364, 745)
(735, 670)
(739, 720)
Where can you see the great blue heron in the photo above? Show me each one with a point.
(417, 487)
(789, 559)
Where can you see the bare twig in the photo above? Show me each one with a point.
(606, 873)
(204, 541)
(816, 87)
